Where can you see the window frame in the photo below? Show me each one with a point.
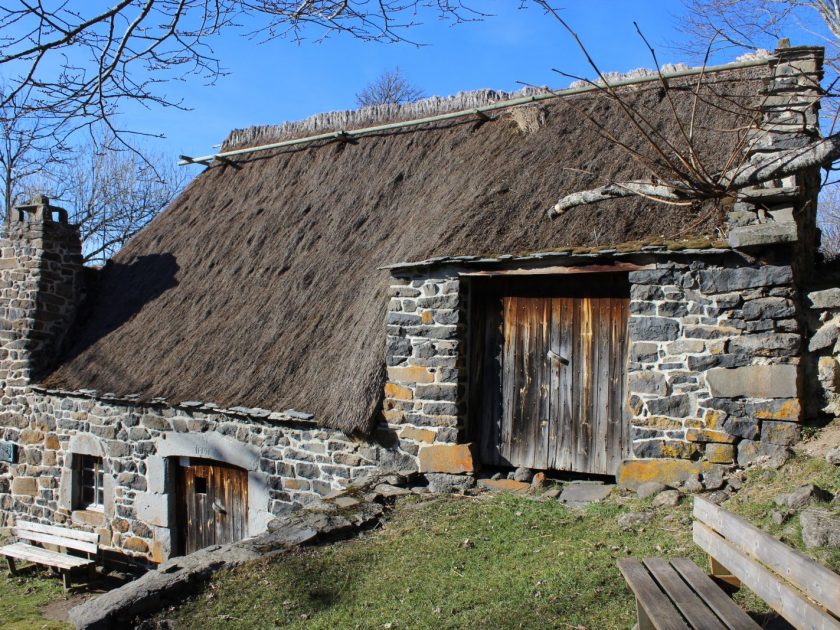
(89, 483)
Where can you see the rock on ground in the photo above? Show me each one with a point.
(802, 496)
(820, 528)
(649, 489)
(523, 474)
(580, 494)
(629, 519)
(667, 498)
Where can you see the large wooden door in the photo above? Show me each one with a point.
(553, 381)
(213, 504)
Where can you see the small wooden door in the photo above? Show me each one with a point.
(213, 504)
(553, 370)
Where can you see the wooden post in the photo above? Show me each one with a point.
(11, 563)
(722, 574)
(65, 578)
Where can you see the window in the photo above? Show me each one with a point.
(90, 475)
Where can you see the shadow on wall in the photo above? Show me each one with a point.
(129, 287)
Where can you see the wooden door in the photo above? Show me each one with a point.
(554, 365)
(213, 504)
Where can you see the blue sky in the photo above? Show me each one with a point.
(283, 80)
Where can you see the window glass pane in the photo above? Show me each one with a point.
(90, 480)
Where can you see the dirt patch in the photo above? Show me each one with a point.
(59, 609)
(823, 441)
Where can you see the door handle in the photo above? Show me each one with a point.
(556, 357)
(218, 508)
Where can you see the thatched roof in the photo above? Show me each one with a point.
(260, 286)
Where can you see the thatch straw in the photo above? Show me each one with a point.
(259, 287)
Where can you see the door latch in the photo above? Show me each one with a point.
(218, 508)
(556, 357)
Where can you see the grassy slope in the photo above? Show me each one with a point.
(528, 564)
(534, 565)
(21, 598)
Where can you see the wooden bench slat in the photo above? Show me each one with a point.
(59, 541)
(659, 609)
(784, 599)
(696, 612)
(38, 555)
(55, 530)
(810, 577)
(732, 615)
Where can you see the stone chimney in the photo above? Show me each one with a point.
(41, 286)
(785, 210)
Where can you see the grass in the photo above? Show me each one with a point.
(22, 597)
(494, 561)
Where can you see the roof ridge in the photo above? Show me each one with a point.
(347, 120)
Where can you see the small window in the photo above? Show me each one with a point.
(201, 485)
(90, 477)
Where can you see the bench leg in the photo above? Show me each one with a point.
(65, 578)
(720, 572)
(644, 621)
(11, 563)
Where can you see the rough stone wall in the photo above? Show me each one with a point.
(289, 460)
(41, 285)
(290, 463)
(425, 355)
(824, 349)
(714, 362)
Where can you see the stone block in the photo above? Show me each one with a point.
(762, 234)
(634, 472)
(825, 337)
(677, 406)
(777, 409)
(410, 374)
(766, 345)
(26, 486)
(648, 382)
(782, 433)
(135, 545)
(720, 453)
(666, 449)
(399, 392)
(418, 435)
(653, 329)
(707, 435)
(820, 528)
(829, 298)
(644, 351)
(152, 509)
(447, 458)
(753, 381)
(763, 453)
(768, 308)
(736, 279)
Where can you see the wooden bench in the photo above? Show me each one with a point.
(36, 534)
(678, 594)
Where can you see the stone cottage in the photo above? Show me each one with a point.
(382, 290)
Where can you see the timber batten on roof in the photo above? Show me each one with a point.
(259, 285)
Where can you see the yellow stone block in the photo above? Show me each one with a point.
(410, 374)
(418, 435)
(446, 458)
(634, 472)
(720, 453)
(400, 392)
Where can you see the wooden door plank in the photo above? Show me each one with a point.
(490, 382)
(527, 385)
(728, 611)
(649, 596)
(509, 400)
(809, 576)
(588, 323)
(692, 607)
(603, 385)
(565, 415)
(542, 365)
(784, 599)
